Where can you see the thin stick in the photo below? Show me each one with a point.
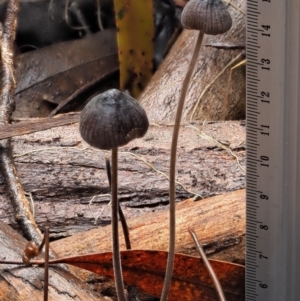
(36, 125)
(46, 267)
(121, 213)
(196, 195)
(172, 222)
(7, 167)
(225, 106)
(114, 221)
(17, 262)
(66, 15)
(213, 81)
(99, 15)
(221, 145)
(208, 266)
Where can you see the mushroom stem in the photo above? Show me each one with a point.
(121, 213)
(172, 222)
(114, 221)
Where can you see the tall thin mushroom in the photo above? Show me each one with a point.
(108, 121)
(208, 17)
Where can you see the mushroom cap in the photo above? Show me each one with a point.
(112, 119)
(208, 16)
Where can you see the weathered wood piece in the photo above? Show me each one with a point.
(219, 222)
(62, 173)
(26, 283)
(216, 57)
(36, 125)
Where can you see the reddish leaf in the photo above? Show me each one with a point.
(146, 269)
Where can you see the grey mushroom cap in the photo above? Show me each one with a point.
(112, 119)
(208, 16)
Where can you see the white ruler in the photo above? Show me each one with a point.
(273, 150)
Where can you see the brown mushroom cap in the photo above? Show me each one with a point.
(209, 16)
(112, 119)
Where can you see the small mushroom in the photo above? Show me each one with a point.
(209, 17)
(110, 120)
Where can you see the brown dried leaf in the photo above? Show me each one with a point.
(146, 270)
(53, 73)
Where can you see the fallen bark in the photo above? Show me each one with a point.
(62, 173)
(219, 223)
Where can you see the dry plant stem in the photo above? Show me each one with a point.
(46, 267)
(16, 193)
(226, 96)
(121, 213)
(208, 266)
(114, 221)
(99, 15)
(228, 86)
(66, 16)
(212, 82)
(172, 222)
(14, 262)
(8, 170)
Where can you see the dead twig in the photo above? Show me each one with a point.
(234, 60)
(39, 124)
(219, 144)
(208, 266)
(13, 185)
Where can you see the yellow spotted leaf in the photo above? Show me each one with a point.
(135, 25)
